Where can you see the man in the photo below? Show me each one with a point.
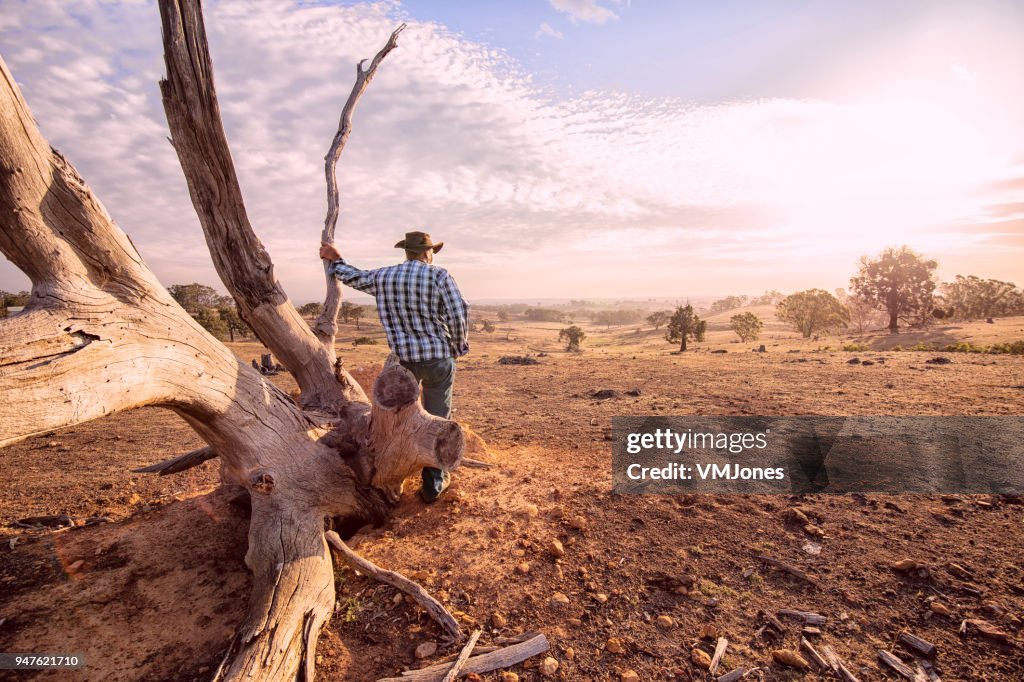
(425, 319)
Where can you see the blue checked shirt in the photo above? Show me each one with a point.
(420, 306)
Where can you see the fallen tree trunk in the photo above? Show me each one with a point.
(101, 335)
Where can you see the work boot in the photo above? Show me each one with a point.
(435, 482)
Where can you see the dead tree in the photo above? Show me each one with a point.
(101, 335)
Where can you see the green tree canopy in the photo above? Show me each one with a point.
(684, 324)
(899, 281)
(574, 335)
(746, 325)
(812, 311)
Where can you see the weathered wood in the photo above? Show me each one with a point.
(917, 645)
(806, 617)
(788, 568)
(720, 648)
(837, 664)
(326, 325)
(896, 664)
(813, 654)
(733, 675)
(242, 262)
(460, 662)
(503, 658)
(180, 463)
(434, 608)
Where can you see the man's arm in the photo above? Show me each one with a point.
(455, 312)
(363, 280)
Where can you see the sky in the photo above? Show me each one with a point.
(563, 148)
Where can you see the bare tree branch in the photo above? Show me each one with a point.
(326, 326)
(245, 267)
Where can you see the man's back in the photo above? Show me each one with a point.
(420, 307)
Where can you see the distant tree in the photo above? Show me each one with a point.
(502, 315)
(211, 321)
(311, 310)
(863, 314)
(228, 312)
(194, 296)
(487, 326)
(746, 325)
(973, 298)
(544, 315)
(768, 298)
(356, 313)
(899, 281)
(616, 317)
(812, 311)
(684, 324)
(659, 319)
(9, 300)
(728, 303)
(347, 311)
(574, 335)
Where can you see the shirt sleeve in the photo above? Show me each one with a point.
(455, 313)
(363, 280)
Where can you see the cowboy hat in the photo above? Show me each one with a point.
(418, 241)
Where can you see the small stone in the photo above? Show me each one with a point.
(397, 599)
(614, 646)
(570, 653)
(578, 522)
(664, 622)
(905, 565)
(135, 498)
(710, 631)
(508, 677)
(601, 598)
(531, 510)
(939, 608)
(523, 568)
(790, 658)
(426, 650)
(555, 548)
(629, 676)
(559, 599)
(701, 659)
(549, 667)
(76, 566)
(498, 620)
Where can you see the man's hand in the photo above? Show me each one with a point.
(328, 251)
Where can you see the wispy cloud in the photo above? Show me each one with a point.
(588, 11)
(546, 30)
(453, 136)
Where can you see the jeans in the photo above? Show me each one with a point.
(438, 378)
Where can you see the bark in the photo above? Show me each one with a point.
(101, 335)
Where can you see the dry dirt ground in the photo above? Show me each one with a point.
(154, 586)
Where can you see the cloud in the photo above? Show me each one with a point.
(588, 11)
(454, 137)
(546, 30)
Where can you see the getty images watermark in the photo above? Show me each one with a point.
(674, 455)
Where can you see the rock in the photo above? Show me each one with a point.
(867, 363)
(508, 677)
(853, 361)
(940, 360)
(816, 531)
(614, 645)
(664, 622)
(762, 349)
(558, 599)
(473, 677)
(604, 394)
(593, 421)
(790, 658)
(601, 598)
(635, 392)
(549, 667)
(629, 676)
(905, 565)
(940, 609)
(710, 631)
(397, 599)
(517, 360)
(498, 620)
(523, 568)
(426, 650)
(75, 567)
(135, 498)
(531, 510)
(578, 522)
(701, 659)
(570, 653)
(555, 548)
